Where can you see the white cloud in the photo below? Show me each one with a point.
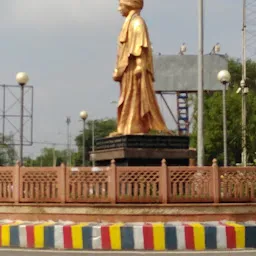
(54, 12)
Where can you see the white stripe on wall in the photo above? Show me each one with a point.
(138, 237)
(96, 238)
(58, 237)
(23, 236)
(180, 231)
(221, 237)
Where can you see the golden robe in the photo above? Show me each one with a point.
(138, 110)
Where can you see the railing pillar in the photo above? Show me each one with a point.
(16, 183)
(62, 183)
(216, 181)
(112, 182)
(192, 162)
(164, 183)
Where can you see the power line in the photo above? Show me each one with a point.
(51, 143)
(47, 143)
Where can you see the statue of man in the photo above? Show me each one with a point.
(138, 110)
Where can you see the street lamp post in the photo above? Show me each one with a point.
(244, 89)
(224, 77)
(200, 90)
(22, 79)
(83, 115)
(93, 142)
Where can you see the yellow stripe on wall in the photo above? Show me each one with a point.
(39, 234)
(77, 235)
(240, 234)
(159, 236)
(115, 236)
(5, 235)
(199, 236)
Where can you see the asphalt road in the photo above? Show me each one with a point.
(95, 253)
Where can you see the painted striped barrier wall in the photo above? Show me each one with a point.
(136, 236)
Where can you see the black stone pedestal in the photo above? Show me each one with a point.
(143, 150)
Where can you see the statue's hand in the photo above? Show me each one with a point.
(138, 71)
(116, 76)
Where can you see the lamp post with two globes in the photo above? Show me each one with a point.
(83, 116)
(224, 77)
(22, 79)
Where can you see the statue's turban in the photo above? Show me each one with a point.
(134, 4)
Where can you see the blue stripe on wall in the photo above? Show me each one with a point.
(87, 237)
(127, 239)
(210, 237)
(170, 237)
(14, 236)
(250, 236)
(49, 237)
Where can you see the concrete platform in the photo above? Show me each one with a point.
(143, 150)
(129, 212)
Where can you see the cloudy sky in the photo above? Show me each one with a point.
(68, 48)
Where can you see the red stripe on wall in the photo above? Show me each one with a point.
(148, 237)
(105, 238)
(67, 237)
(189, 237)
(231, 237)
(30, 236)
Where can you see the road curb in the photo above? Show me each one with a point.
(128, 236)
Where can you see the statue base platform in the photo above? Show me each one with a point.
(143, 150)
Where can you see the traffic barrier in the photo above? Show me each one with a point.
(128, 236)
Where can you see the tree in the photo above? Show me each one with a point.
(102, 128)
(8, 154)
(48, 157)
(213, 126)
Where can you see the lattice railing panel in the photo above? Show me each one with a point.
(238, 184)
(138, 184)
(191, 184)
(6, 184)
(39, 184)
(85, 185)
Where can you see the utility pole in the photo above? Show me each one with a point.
(244, 89)
(70, 150)
(68, 121)
(53, 156)
(200, 90)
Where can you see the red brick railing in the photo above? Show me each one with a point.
(40, 184)
(161, 184)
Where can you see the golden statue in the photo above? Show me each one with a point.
(138, 110)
